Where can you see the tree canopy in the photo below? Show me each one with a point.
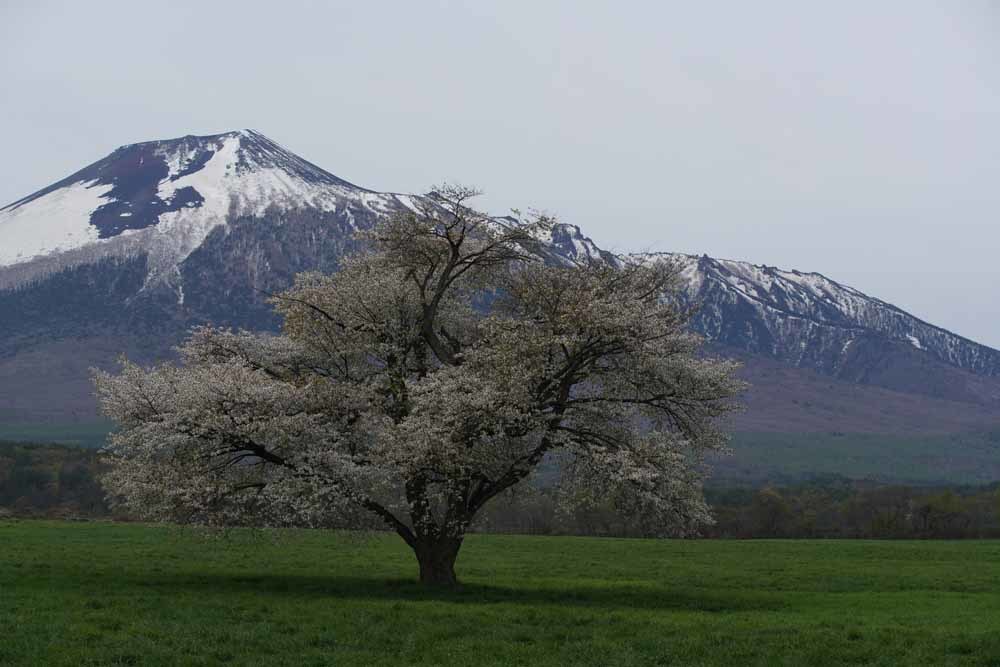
(435, 369)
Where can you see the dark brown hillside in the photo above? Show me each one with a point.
(784, 399)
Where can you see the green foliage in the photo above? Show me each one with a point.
(96, 593)
(839, 507)
(769, 513)
(51, 480)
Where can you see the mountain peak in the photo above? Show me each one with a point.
(182, 187)
(252, 149)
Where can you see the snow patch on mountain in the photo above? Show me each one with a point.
(173, 194)
(806, 318)
(58, 222)
(569, 243)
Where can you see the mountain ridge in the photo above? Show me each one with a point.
(213, 222)
(844, 314)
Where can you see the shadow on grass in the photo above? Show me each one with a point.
(370, 589)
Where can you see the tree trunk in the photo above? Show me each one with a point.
(437, 561)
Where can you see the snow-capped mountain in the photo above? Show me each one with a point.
(161, 235)
(164, 198)
(808, 320)
(129, 252)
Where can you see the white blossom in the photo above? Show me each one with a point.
(432, 372)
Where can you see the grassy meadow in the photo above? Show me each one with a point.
(86, 434)
(118, 594)
(957, 458)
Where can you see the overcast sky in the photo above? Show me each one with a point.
(857, 139)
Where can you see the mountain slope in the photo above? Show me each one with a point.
(807, 320)
(129, 252)
(162, 235)
(163, 199)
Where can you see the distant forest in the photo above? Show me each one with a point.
(58, 481)
(50, 481)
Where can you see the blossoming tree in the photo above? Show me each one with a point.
(433, 371)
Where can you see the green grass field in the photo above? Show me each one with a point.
(86, 434)
(960, 458)
(107, 594)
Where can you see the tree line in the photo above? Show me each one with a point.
(50, 481)
(841, 508)
(63, 482)
(828, 507)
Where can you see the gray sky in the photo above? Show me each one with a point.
(857, 139)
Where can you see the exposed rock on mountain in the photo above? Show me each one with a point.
(808, 321)
(129, 252)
